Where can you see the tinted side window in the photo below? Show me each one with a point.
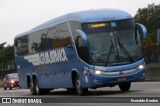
(22, 46)
(75, 25)
(58, 36)
(50, 38)
(35, 41)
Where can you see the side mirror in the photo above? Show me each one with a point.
(82, 45)
(83, 37)
(142, 29)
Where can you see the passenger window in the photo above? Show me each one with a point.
(59, 36)
(22, 45)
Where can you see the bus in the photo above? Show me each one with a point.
(80, 51)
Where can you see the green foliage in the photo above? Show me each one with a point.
(6, 57)
(149, 42)
(150, 17)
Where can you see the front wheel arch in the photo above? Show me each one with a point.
(77, 85)
(74, 74)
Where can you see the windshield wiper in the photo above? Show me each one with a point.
(125, 51)
(109, 54)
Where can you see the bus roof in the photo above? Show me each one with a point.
(83, 16)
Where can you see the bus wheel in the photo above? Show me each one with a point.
(38, 90)
(32, 87)
(80, 91)
(125, 86)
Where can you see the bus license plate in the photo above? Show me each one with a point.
(122, 79)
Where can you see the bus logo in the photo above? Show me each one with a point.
(48, 57)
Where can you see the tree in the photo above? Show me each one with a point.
(2, 45)
(2, 53)
(149, 17)
(6, 57)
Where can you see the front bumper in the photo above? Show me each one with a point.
(16, 84)
(104, 81)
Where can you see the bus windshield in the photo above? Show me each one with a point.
(112, 43)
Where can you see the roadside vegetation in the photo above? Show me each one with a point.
(150, 18)
(7, 59)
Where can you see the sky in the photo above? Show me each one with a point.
(18, 16)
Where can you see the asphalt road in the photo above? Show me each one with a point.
(139, 90)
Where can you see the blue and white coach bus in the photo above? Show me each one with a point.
(81, 50)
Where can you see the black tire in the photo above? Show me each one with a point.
(37, 89)
(32, 87)
(5, 88)
(80, 91)
(10, 88)
(125, 86)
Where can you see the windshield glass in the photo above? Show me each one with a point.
(13, 76)
(113, 43)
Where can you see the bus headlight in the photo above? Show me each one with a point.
(142, 66)
(98, 72)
